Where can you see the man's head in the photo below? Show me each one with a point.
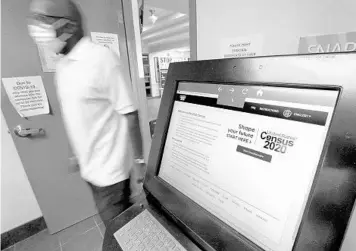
(56, 24)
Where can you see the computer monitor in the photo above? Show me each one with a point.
(258, 154)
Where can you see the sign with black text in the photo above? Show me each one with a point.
(165, 61)
(344, 42)
(27, 95)
(240, 47)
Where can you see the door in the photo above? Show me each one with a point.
(64, 198)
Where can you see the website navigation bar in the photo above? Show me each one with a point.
(240, 92)
(269, 110)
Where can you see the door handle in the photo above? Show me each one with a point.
(27, 132)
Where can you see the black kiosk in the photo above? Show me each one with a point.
(249, 154)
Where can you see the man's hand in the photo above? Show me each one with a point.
(137, 176)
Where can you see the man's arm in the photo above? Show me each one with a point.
(122, 99)
(135, 134)
(137, 173)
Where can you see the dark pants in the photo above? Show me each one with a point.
(112, 200)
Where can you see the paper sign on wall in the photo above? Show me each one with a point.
(328, 43)
(48, 59)
(249, 46)
(109, 40)
(27, 95)
(165, 61)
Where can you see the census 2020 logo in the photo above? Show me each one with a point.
(287, 113)
(182, 97)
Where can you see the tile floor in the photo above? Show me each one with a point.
(85, 236)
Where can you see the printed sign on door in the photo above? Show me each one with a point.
(27, 95)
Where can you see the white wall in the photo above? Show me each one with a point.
(18, 202)
(281, 22)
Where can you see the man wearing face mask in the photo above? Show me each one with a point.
(97, 106)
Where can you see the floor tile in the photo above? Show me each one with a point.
(89, 241)
(97, 219)
(67, 234)
(102, 229)
(42, 241)
(9, 249)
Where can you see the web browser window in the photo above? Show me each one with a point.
(248, 154)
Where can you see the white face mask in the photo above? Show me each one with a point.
(45, 35)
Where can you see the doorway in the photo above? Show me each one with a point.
(164, 39)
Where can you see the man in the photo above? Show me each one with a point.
(97, 106)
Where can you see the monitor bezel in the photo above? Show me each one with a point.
(287, 71)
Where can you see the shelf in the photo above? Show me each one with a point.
(147, 74)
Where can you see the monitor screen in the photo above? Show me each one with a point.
(248, 154)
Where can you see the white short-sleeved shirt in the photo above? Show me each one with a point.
(94, 97)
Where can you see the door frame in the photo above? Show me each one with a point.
(193, 30)
(134, 51)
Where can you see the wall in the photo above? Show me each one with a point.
(18, 202)
(281, 22)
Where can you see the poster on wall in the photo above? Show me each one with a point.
(48, 58)
(343, 42)
(109, 40)
(27, 95)
(239, 47)
(161, 65)
(165, 61)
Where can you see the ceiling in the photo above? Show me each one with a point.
(171, 28)
(181, 6)
(162, 15)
